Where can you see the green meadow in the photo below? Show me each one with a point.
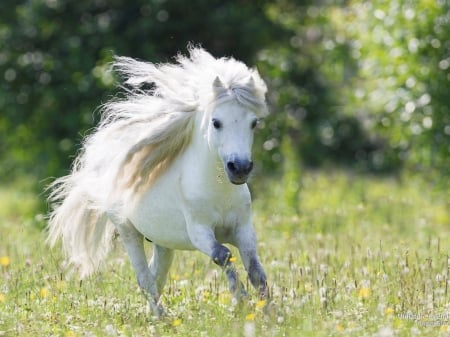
(360, 250)
(350, 255)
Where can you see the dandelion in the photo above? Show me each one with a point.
(339, 328)
(44, 292)
(233, 259)
(176, 322)
(2, 298)
(364, 292)
(398, 323)
(444, 328)
(224, 298)
(250, 317)
(389, 311)
(5, 261)
(260, 304)
(206, 295)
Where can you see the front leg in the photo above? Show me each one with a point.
(159, 266)
(245, 240)
(203, 238)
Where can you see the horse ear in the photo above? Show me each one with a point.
(218, 83)
(251, 83)
(218, 86)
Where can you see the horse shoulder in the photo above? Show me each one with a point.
(220, 204)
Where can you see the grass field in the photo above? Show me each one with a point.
(363, 256)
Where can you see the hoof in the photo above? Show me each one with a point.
(270, 308)
(156, 309)
(239, 292)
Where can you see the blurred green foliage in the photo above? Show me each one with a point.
(360, 84)
(402, 50)
(363, 83)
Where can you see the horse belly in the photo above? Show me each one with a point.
(159, 219)
(164, 229)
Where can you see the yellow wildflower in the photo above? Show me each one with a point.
(5, 261)
(176, 322)
(364, 292)
(233, 259)
(339, 328)
(206, 295)
(2, 298)
(398, 323)
(260, 304)
(389, 311)
(250, 317)
(44, 292)
(224, 298)
(69, 333)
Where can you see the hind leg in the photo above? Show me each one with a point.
(147, 280)
(159, 265)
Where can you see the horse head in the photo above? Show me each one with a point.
(230, 129)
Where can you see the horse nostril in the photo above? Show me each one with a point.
(231, 166)
(238, 167)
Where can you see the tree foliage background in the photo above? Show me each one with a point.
(360, 84)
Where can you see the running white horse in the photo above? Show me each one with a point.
(168, 164)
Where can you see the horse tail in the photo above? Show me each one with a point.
(83, 228)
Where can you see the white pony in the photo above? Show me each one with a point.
(168, 164)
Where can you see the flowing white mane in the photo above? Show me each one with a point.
(141, 134)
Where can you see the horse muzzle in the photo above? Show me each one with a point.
(238, 170)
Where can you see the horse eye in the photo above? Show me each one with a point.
(254, 123)
(217, 124)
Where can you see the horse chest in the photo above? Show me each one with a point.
(220, 208)
(163, 214)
